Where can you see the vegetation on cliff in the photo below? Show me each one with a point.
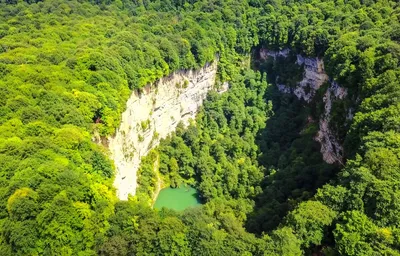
(67, 68)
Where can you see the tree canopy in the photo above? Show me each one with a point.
(67, 69)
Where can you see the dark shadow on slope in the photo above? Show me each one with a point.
(292, 158)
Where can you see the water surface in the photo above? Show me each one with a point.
(177, 198)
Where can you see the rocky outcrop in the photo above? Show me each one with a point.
(314, 77)
(152, 115)
(223, 88)
(331, 149)
(265, 53)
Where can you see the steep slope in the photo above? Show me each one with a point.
(313, 78)
(67, 69)
(151, 115)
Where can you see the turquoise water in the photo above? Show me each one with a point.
(177, 198)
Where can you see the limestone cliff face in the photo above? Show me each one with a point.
(153, 115)
(265, 53)
(314, 77)
(331, 149)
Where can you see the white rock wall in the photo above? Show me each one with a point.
(331, 149)
(153, 115)
(265, 53)
(313, 78)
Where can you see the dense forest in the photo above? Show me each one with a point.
(67, 69)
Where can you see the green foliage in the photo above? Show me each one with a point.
(295, 168)
(282, 242)
(147, 178)
(68, 67)
(66, 71)
(145, 125)
(360, 54)
(310, 221)
(356, 234)
(219, 151)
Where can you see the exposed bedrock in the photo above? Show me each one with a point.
(152, 115)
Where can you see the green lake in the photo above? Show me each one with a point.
(177, 198)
